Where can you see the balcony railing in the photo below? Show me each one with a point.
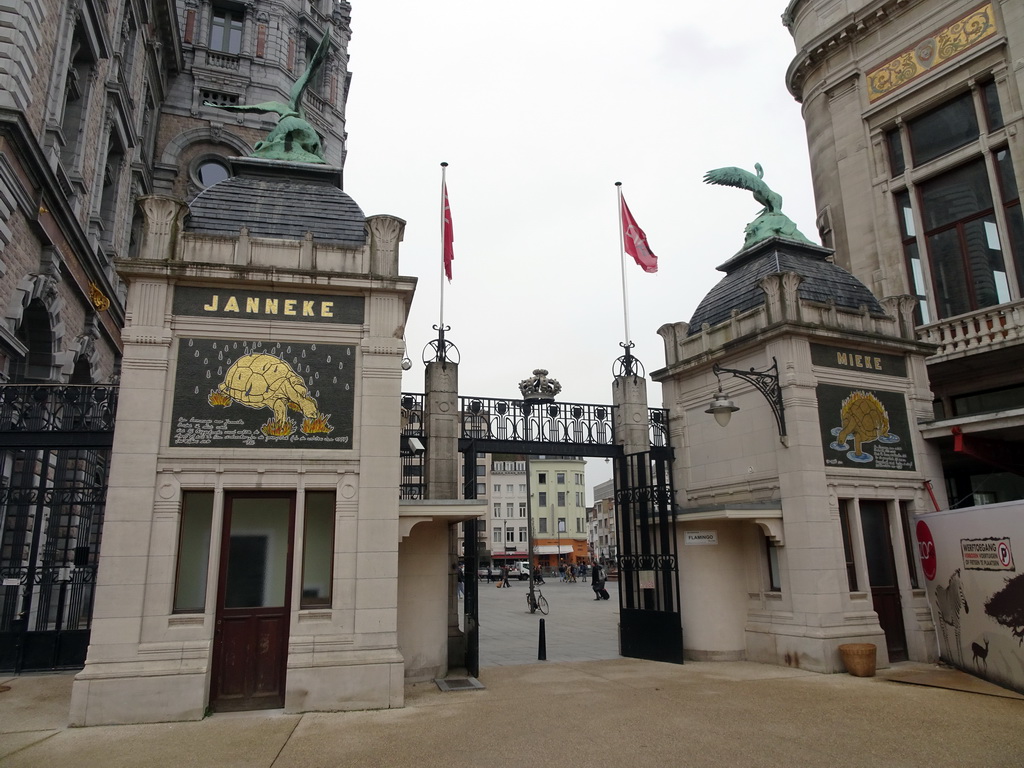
(222, 60)
(317, 102)
(992, 327)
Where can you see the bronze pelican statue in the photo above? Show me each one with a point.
(737, 177)
(293, 138)
(770, 221)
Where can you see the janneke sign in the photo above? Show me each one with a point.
(863, 426)
(235, 393)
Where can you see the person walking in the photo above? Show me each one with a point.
(538, 577)
(504, 577)
(597, 580)
(583, 572)
(461, 576)
(572, 574)
(490, 574)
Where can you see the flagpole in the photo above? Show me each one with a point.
(622, 264)
(444, 169)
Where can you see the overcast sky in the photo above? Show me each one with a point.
(539, 109)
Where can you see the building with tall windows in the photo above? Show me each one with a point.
(81, 87)
(508, 533)
(558, 509)
(103, 104)
(558, 512)
(601, 519)
(246, 53)
(914, 123)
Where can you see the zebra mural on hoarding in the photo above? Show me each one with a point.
(948, 600)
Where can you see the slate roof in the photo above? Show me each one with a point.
(823, 281)
(279, 200)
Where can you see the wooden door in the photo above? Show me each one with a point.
(250, 645)
(885, 591)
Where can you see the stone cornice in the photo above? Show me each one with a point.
(849, 30)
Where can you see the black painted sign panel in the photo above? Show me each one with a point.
(267, 305)
(256, 394)
(864, 428)
(858, 360)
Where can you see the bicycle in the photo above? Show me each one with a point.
(538, 603)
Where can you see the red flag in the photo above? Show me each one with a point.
(636, 241)
(447, 236)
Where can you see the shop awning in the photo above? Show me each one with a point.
(552, 549)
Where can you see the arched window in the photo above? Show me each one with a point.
(37, 336)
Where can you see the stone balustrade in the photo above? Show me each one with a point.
(992, 327)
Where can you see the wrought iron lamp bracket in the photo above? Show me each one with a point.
(767, 383)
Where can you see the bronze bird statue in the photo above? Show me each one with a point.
(293, 138)
(770, 221)
(737, 177)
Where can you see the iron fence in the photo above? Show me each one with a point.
(57, 408)
(488, 418)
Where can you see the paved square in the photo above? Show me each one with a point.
(577, 627)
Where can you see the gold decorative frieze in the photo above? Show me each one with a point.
(946, 44)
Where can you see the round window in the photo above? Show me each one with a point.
(209, 172)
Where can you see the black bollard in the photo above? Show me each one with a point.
(542, 644)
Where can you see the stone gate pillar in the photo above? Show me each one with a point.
(441, 422)
(632, 419)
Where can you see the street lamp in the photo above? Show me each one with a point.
(766, 382)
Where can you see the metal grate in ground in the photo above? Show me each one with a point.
(449, 684)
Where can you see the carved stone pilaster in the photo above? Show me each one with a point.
(386, 233)
(162, 224)
(772, 287)
(791, 296)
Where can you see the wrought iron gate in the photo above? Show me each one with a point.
(649, 617)
(54, 456)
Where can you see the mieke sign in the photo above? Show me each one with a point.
(701, 538)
